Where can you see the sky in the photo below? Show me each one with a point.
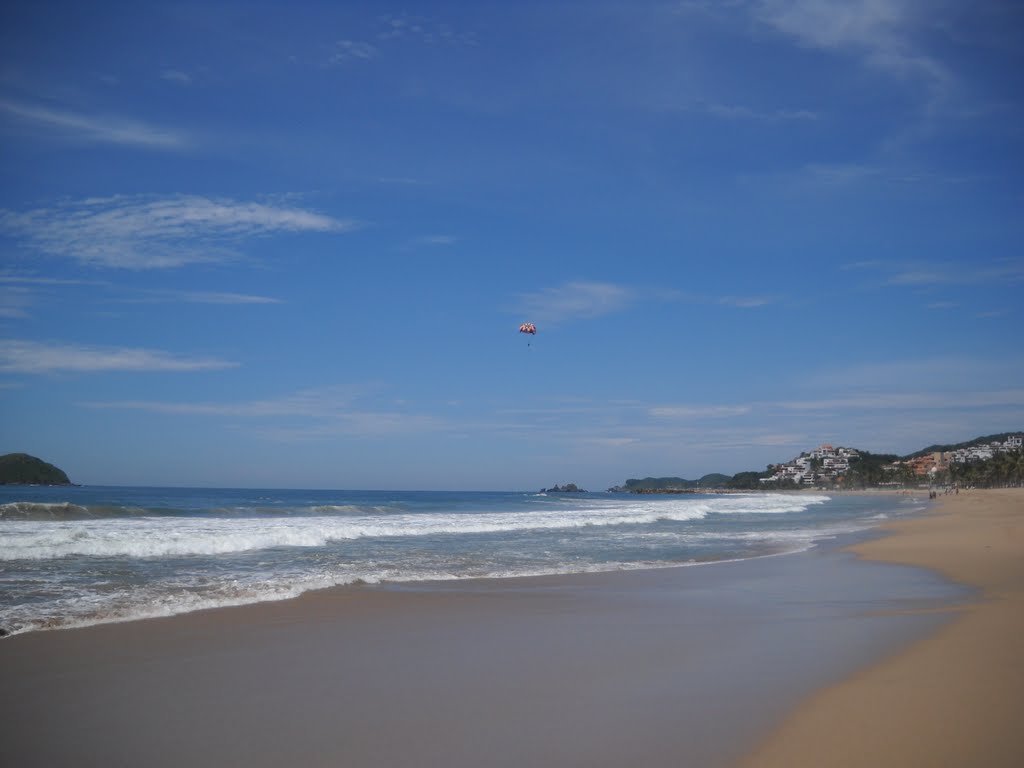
(255, 244)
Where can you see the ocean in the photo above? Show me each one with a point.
(74, 556)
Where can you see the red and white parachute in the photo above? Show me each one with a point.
(529, 328)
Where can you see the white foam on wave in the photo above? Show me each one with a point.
(181, 597)
(149, 537)
(38, 510)
(83, 611)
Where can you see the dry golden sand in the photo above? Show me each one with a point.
(954, 699)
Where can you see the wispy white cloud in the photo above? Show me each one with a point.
(993, 313)
(349, 50)
(34, 357)
(176, 76)
(883, 35)
(575, 301)
(911, 401)
(361, 424)
(402, 181)
(836, 23)
(746, 302)
(739, 112)
(321, 403)
(202, 297)
(934, 273)
(839, 174)
(911, 384)
(304, 415)
(15, 301)
(437, 240)
(19, 291)
(609, 442)
(584, 300)
(398, 29)
(919, 277)
(573, 407)
(959, 274)
(215, 297)
(879, 32)
(404, 26)
(708, 7)
(142, 233)
(777, 439)
(8, 276)
(842, 177)
(698, 411)
(752, 301)
(94, 128)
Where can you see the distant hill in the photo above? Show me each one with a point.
(655, 483)
(865, 470)
(1000, 438)
(22, 469)
(714, 480)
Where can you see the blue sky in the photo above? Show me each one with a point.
(259, 244)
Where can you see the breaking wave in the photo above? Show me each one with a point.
(148, 537)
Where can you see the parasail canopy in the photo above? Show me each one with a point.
(529, 328)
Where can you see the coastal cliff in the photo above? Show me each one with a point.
(22, 469)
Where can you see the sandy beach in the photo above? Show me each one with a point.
(956, 697)
(681, 666)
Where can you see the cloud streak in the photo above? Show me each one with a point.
(319, 403)
(33, 357)
(15, 301)
(139, 233)
(911, 401)
(429, 32)
(202, 297)
(176, 76)
(94, 128)
(575, 301)
(352, 50)
(879, 32)
(746, 302)
(307, 414)
(18, 291)
(738, 112)
(934, 273)
(214, 297)
(698, 411)
(398, 29)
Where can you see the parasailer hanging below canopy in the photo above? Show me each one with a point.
(530, 330)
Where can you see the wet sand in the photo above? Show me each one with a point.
(686, 666)
(957, 697)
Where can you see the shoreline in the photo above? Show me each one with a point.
(953, 698)
(17, 623)
(651, 667)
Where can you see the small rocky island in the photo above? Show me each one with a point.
(22, 469)
(570, 488)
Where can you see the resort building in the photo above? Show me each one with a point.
(986, 450)
(824, 464)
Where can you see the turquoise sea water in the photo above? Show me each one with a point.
(86, 555)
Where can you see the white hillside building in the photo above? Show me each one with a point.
(822, 463)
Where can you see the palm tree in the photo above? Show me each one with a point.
(1015, 460)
